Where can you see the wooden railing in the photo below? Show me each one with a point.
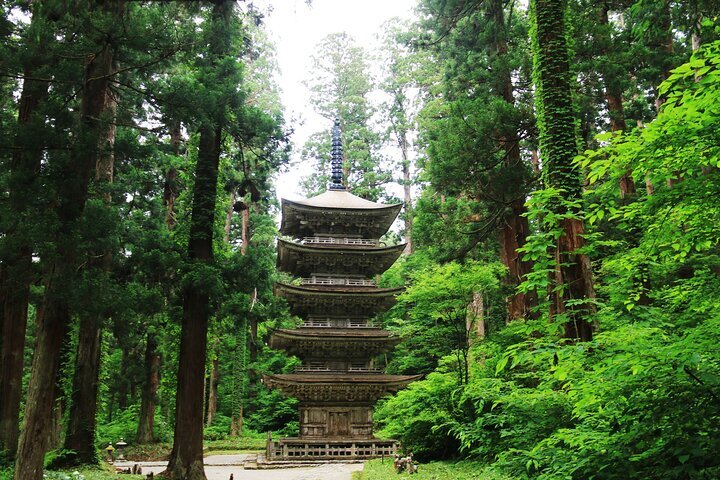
(355, 242)
(328, 323)
(306, 449)
(351, 282)
(324, 369)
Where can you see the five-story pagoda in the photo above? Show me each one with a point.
(337, 253)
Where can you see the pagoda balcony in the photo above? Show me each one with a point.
(325, 369)
(350, 282)
(337, 323)
(334, 241)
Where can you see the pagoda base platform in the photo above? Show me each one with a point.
(324, 450)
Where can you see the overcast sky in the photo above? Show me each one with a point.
(296, 29)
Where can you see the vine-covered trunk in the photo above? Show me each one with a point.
(572, 289)
(186, 458)
(146, 422)
(574, 274)
(239, 379)
(54, 318)
(80, 437)
(16, 270)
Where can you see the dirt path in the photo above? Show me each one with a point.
(219, 467)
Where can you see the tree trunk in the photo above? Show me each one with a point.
(239, 374)
(170, 191)
(146, 424)
(16, 272)
(186, 458)
(572, 278)
(664, 24)
(407, 192)
(476, 316)
(213, 390)
(245, 231)
(515, 228)
(236, 424)
(54, 319)
(228, 219)
(613, 96)
(80, 437)
(513, 235)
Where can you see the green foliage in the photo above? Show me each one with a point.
(463, 470)
(641, 399)
(340, 85)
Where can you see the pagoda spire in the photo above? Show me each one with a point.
(337, 158)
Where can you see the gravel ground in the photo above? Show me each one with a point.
(219, 467)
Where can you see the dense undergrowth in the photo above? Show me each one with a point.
(642, 399)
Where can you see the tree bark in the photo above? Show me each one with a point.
(16, 272)
(146, 424)
(476, 316)
(54, 319)
(80, 437)
(170, 191)
(513, 235)
(515, 229)
(213, 390)
(407, 192)
(228, 219)
(245, 231)
(613, 96)
(572, 278)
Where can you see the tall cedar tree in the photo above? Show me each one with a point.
(80, 435)
(16, 270)
(340, 86)
(477, 154)
(53, 317)
(572, 279)
(186, 458)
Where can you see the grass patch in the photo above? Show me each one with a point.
(465, 470)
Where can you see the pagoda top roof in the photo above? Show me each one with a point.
(341, 199)
(337, 212)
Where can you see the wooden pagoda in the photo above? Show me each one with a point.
(336, 252)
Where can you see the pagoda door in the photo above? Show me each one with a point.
(338, 424)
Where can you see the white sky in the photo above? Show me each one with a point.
(296, 29)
